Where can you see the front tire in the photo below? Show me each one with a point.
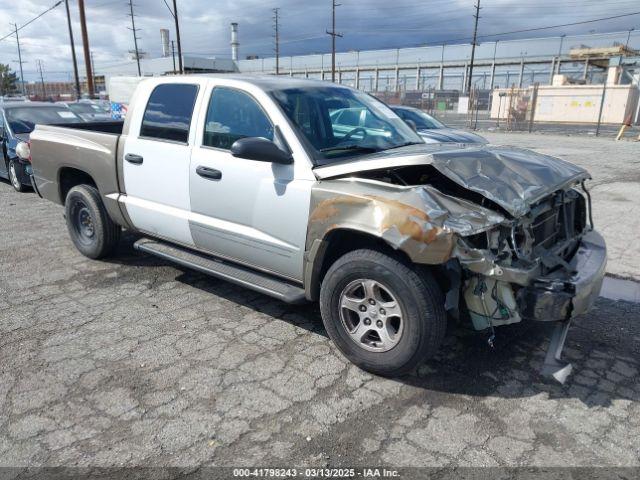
(12, 168)
(91, 229)
(383, 314)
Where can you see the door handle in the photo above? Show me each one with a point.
(209, 173)
(133, 158)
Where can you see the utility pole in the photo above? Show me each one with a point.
(334, 34)
(473, 46)
(93, 68)
(173, 55)
(560, 51)
(135, 36)
(73, 51)
(19, 59)
(174, 14)
(175, 17)
(85, 46)
(44, 91)
(276, 36)
(626, 45)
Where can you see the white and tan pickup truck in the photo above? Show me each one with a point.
(251, 180)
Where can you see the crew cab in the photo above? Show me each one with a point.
(251, 179)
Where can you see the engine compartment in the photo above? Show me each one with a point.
(541, 241)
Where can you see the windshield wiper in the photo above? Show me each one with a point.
(360, 148)
(406, 144)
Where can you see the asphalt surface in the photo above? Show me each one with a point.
(134, 362)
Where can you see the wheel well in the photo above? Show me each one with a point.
(342, 241)
(71, 177)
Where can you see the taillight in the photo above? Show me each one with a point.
(23, 150)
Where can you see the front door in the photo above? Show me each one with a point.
(157, 153)
(250, 211)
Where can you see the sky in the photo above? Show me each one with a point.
(204, 26)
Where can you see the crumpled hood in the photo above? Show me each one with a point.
(511, 177)
(450, 135)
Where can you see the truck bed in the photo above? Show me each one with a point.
(113, 127)
(89, 149)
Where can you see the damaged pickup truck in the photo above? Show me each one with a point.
(247, 179)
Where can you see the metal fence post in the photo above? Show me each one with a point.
(534, 100)
(604, 92)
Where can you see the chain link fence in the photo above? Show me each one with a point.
(520, 109)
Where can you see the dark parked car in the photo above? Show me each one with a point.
(17, 121)
(433, 131)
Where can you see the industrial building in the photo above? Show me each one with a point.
(578, 59)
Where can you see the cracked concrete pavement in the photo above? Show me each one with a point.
(133, 361)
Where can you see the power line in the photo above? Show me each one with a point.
(561, 25)
(32, 20)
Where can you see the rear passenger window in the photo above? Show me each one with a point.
(232, 115)
(169, 111)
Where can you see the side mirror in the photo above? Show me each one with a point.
(260, 149)
(412, 124)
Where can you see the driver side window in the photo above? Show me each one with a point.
(233, 115)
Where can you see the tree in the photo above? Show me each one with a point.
(8, 80)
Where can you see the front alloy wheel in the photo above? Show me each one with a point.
(385, 314)
(371, 315)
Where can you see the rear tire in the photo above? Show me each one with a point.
(384, 314)
(12, 168)
(91, 229)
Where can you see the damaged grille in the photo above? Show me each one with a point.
(556, 222)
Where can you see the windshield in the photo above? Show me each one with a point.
(24, 119)
(338, 122)
(422, 120)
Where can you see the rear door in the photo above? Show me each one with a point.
(157, 154)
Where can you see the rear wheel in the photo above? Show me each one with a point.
(382, 313)
(93, 233)
(12, 167)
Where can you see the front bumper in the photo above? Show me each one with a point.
(562, 295)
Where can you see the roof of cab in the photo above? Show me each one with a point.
(264, 82)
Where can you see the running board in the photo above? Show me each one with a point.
(243, 276)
